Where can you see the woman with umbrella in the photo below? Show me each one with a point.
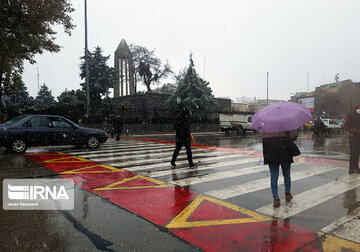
(278, 123)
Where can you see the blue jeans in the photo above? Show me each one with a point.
(274, 174)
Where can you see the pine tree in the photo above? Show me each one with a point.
(101, 77)
(44, 100)
(193, 93)
(17, 103)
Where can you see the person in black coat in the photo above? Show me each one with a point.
(182, 128)
(118, 124)
(352, 125)
(278, 150)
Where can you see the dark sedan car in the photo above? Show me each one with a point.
(40, 130)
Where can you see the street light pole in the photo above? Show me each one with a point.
(267, 88)
(87, 66)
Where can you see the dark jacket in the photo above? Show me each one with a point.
(182, 128)
(352, 123)
(276, 150)
(118, 124)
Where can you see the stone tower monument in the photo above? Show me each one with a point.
(125, 71)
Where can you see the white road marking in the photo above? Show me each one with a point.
(221, 175)
(313, 197)
(132, 155)
(261, 184)
(145, 167)
(203, 166)
(347, 220)
(137, 148)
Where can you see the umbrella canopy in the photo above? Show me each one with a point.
(280, 117)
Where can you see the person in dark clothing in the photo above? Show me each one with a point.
(182, 128)
(319, 126)
(352, 125)
(277, 152)
(118, 124)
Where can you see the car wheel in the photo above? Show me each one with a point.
(93, 142)
(18, 146)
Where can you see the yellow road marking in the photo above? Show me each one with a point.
(180, 221)
(114, 185)
(46, 154)
(82, 169)
(63, 160)
(332, 243)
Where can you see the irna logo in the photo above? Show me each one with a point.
(37, 192)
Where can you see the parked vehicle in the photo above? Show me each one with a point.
(235, 123)
(332, 125)
(308, 126)
(328, 126)
(43, 130)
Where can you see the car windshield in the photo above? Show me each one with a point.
(14, 120)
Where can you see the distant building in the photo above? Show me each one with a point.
(240, 107)
(334, 99)
(256, 105)
(152, 107)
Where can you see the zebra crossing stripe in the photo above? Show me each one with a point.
(129, 155)
(313, 197)
(145, 167)
(118, 150)
(221, 175)
(261, 184)
(203, 166)
(125, 152)
(84, 151)
(164, 156)
(346, 227)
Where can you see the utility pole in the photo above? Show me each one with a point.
(38, 77)
(87, 66)
(308, 81)
(204, 67)
(267, 88)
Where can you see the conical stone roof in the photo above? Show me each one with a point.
(123, 49)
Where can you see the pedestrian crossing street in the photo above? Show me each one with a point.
(326, 198)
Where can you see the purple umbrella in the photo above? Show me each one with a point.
(280, 117)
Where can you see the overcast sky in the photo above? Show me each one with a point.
(234, 43)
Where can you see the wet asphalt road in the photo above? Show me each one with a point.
(334, 146)
(95, 224)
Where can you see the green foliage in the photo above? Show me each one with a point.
(71, 98)
(148, 68)
(101, 77)
(168, 88)
(44, 100)
(26, 30)
(18, 103)
(192, 92)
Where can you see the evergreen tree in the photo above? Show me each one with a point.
(101, 77)
(192, 92)
(26, 30)
(44, 100)
(17, 103)
(71, 98)
(168, 88)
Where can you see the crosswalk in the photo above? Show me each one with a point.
(319, 190)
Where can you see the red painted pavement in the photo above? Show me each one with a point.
(160, 203)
